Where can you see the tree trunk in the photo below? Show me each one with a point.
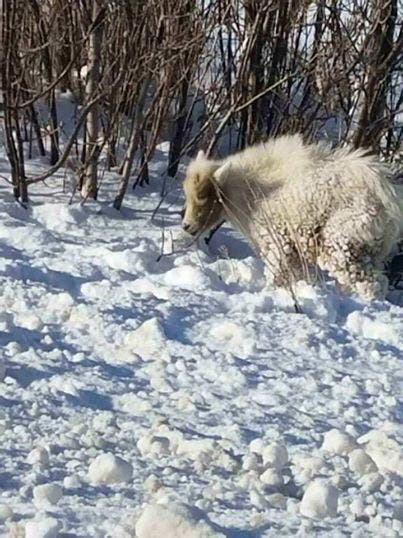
(14, 151)
(90, 187)
(379, 49)
(37, 129)
(252, 117)
(175, 146)
(47, 62)
(133, 145)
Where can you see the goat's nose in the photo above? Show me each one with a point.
(185, 226)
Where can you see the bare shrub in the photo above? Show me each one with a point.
(220, 74)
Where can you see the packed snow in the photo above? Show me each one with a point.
(152, 386)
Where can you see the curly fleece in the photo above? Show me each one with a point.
(304, 204)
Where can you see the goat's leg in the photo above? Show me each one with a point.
(352, 251)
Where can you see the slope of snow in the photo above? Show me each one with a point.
(141, 392)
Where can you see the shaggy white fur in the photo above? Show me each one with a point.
(301, 205)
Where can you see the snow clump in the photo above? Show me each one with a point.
(320, 500)
(172, 521)
(373, 329)
(272, 478)
(305, 467)
(338, 442)
(384, 451)
(371, 482)
(47, 527)
(109, 469)
(38, 455)
(360, 463)
(6, 512)
(47, 494)
(275, 455)
(148, 341)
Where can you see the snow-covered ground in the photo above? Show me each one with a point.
(177, 396)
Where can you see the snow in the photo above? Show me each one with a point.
(359, 462)
(2, 371)
(272, 478)
(38, 455)
(181, 394)
(6, 512)
(108, 469)
(319, 500)
(275, 455)
(47, 527)
(384, 451)
(338, 442)
(172, 521)
(398, 511)
(370, 482)
(47, 494)
(377, 329)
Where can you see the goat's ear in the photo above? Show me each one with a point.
(222, 173)
(200, 155)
